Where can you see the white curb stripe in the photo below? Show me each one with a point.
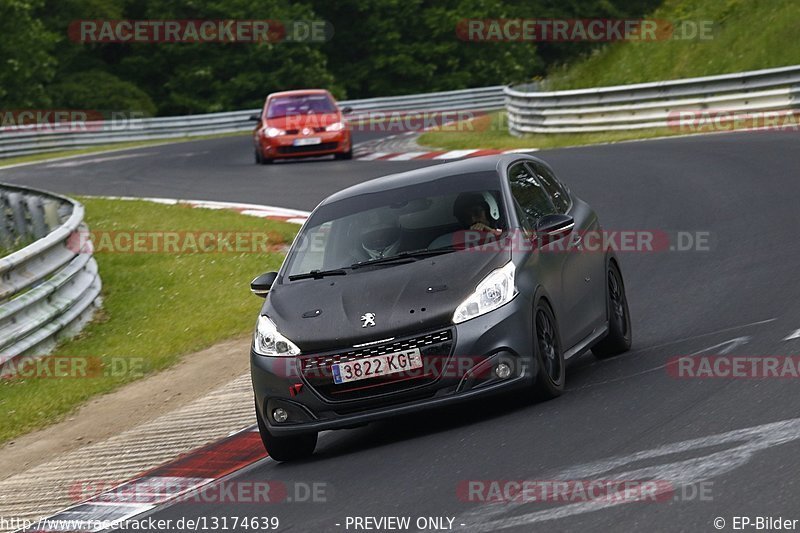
(373, 155)
(455, 154)
(294, 216)
(406, 156)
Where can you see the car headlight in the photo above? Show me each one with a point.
(495, 290)
(274, 132)
(268, 341)
(336, 126)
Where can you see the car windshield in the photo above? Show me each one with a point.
(306, 104)
(400, 222)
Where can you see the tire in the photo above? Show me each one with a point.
(619, 335)
(344, 155)
(550, 375)
(260, 159)
(286, 448)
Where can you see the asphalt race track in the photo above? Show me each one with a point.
(625, 418)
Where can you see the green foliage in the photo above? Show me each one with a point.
(746, 35)
(26, 63)
(98, 90)
(388, 47)
(379, 48)
(209, 77)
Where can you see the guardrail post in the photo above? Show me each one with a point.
(6, 223)
(18, 214)
(51, 215)
(36, 210)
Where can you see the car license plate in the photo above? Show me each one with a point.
(307, 141)
(380, 365)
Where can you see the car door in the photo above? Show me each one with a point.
(548, 264)
(584, 269)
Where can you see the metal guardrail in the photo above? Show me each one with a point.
(50, 288)
(649, 105)
(17, 141)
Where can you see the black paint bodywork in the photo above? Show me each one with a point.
(414, 303)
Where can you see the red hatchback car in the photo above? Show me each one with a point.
(299, 124)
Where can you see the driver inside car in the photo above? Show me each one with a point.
(381, 241)
(472, 211)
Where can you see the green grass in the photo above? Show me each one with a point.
(747, 35)
(157, 307)
(32, 158)
(491, 132)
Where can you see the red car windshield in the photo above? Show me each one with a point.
(306, 104)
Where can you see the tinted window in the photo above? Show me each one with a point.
(388, 222)
(528, 191)
(555, 189)
(524, 220)
(286, 106)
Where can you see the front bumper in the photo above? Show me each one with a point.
(283, 146)
(464, 372)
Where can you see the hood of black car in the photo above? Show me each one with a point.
(404, 299)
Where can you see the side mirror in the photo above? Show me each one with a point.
(255, 117)
(346, 110)
(263, 283)
(554, 227)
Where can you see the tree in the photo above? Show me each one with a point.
(26, 63)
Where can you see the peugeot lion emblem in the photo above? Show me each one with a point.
(368, 320)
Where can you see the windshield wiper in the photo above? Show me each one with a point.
(318, 274)
(405, 257)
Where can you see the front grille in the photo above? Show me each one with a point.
(305, 149)
(315, 129)
(435, 349)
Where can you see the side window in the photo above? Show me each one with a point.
(555, 189)
(527, 224)
(529, 193)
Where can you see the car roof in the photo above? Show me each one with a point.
(298, 92)
(427, 174)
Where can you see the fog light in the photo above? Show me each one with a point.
(502, 370)
(280, 415)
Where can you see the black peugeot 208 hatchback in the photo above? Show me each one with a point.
(431, 287)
